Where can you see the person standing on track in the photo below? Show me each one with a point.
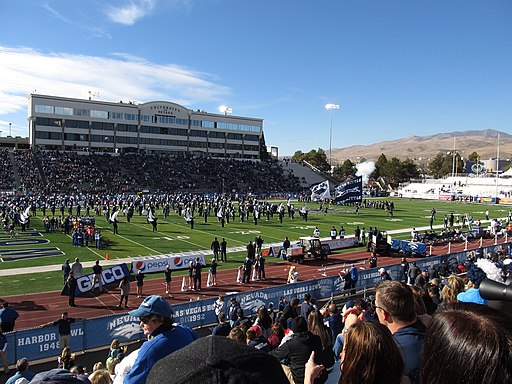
(198, 266)
(97, 270)
(212, 274)
(72, 284)
(139, 278)
(124, 285)
(247, 267)
(167, 275)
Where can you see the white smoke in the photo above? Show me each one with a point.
(365, 169)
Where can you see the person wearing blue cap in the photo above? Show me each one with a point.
(164, 337)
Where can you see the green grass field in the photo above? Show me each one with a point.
(174, 235)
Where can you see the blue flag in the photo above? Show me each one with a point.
(349, 191)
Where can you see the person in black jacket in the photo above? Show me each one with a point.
(235, 311)
(298, 349)
(290, 311)
(198, 266)
(72, 284)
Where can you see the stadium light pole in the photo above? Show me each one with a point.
(331, 107)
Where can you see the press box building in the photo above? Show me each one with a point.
(58, 123)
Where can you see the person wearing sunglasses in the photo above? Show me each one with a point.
(164, 337)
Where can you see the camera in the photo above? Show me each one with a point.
(493, 290)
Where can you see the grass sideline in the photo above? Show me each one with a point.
(174, 235)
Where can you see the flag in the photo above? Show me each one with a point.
(113, 216)
(24, 216)
(320, 191)
(151, 216)
(349, 191)
(187, 215)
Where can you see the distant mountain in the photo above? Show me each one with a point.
(484, 142)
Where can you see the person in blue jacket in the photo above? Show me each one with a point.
(164, 337)
(354, 276)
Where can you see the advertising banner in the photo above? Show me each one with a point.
(152, 265)
(347, 242)
(109, 275)
(122, 327)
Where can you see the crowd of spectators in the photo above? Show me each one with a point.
(7, 174)
(30, 177)
(68, 172)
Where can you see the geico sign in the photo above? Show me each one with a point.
(108, 275)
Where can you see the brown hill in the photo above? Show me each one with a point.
(484, 142)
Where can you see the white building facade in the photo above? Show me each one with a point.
(64, 124)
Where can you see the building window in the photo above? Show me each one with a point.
(178, 132)
(235, 136)
(99, 114)
(48, 135)
(64, 111)
(102, 126)
(44, 109)
(198, 144)
(76, 137)
(216, 135)
(197, 133)
(80, 112)
(102, 139)
(251, 138)
(48, 122)
(76, 124)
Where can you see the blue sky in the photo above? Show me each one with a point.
(397, 68)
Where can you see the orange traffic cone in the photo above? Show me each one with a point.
(107, 256)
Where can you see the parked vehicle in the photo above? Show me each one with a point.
(308, 247)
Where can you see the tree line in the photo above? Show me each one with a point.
(393, 171)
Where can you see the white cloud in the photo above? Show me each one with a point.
(120, 77)
(129, 14)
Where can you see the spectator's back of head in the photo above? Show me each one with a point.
(22, 364)
(100, 376)
(476, 345)
(59, 376)
(217, 360)
(396, 299)
(370, 355)
(237, 334)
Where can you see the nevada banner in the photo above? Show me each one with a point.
(349, 191)
(321, 191)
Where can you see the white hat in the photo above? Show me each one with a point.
(382, 270)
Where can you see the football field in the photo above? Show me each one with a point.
(39, 254)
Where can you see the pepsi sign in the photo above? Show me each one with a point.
(153, 265)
